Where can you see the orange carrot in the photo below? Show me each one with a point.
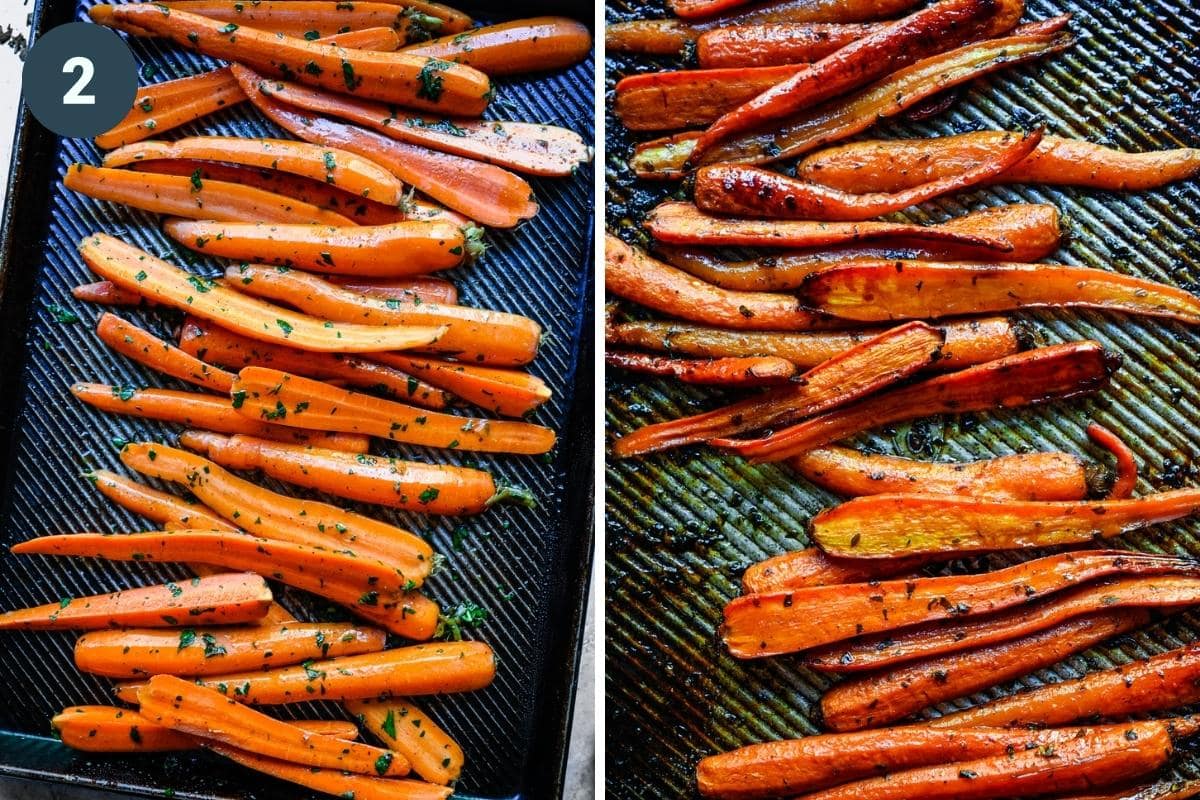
(1173, 790)
(751, 371)
(811, 567)
(291, 400)
(145, 348)
(508, 392)
(107, 293)
(510, 48)
(165, 510)
(219, 600)
(1127, 469)
(421, 287)
(308, 19)
(404, 727)
(656, 101)
(773, 44)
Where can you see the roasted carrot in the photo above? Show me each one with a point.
(483, 192)
(411, 485)
(811, 567)
(309, 19)
(475, 336)
(292, 400)
(206, 411)
(1024, 476)
(508, 392)
(137, 652)
(866, 368)
(893, 165)
(1127, 469)
(788, 621)
(165, 510)
(192, 197)
(436, 668)
(337, 167)
(884, 526)
(404, 727)
(146, 348)
(877, 291)
(510, 48)
(756, 192)
(421, 287)
(777, 43)
(663, 101)
(750, 371)
(1029, 378)
(131, 268)
(1173, 790)
(107, 293)
(793, 9)
(225, 599)
(406, 80)
(876, 700)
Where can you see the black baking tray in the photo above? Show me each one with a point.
(530, 568)
(681, 527)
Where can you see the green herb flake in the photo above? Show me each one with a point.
(187, 638)
(429, 79)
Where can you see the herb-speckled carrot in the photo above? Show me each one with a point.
(165, 510)
(404, 727)
(146, 348)
(308, 19)
(510, 48)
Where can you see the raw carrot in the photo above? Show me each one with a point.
(811, 567)
(1127, 469)
(165, 510)
(292, 400)
(192, 197)
(750, 371)
(146, 348)
(777, 43)
(107, 293)
(510, 48)
(404, 727)
(309, 19)
(225, 599)
(663, 101)
(508, 392)
(141, 652)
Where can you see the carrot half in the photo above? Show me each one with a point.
(810, 567)
(799, 10)
(146, 348)
(1173, 790)
(471, 335)
(1127, 468)
(876, 291)
(218, 600)
(876, 700)
(292, 400)
(420, 287)
(789, 621)
(140, 652)
(775, 44)
(206, 411)
(1030, 378)
(855, 373)
(336, 167)
(191, 197)
(511, 48)
(884, 526)
(107, 293)
(399, 724)
(309, 19)
(411, 485)
(508, 392)
(134, 269)
(751, 371)
(165, 510)
(423, 669)
(399, 78)
(491, 196)
(659, 101)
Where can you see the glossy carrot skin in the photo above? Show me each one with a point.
(664, 101)
(225, 599)
(511, 48)
(750, 371)
(810, 567)
(883, 698)
(307, 19)
(165, 510)
(808, 10)
(777, 43)
(1127, 468)
(422, 287)
(146, 348)
(107, 293)
(404, 727)
(508, 392)
(886, 166)
(1174, 790)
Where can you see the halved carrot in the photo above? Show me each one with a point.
(193, 197)
(107, 293)
(510, 48)
(421, 287)
(146, 348)
(1127, 469)
(225, 599)
(399, 78)
(310, 19)
(401, 725)
(773, 44)
(336, 167)
(1170, 790)
(1029, 378)
(749, 371)
(508, 392)
(134, 269)
(810, 567)
(855, 373)
(292, 400)
(663, 101)
(165, 510)
(411, 485)
(140, 652)
(475, 336)
(207, 411)
(788, 621)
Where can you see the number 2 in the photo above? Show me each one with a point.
(86, 70)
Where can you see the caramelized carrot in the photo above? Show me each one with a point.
(165, 510)
(1030, 378)
(811, 567)
(789, 621)
(1173, 790)
(277, 396)
(107, 293)
(146, 348)
(866, 368)
(751, 371)
(510, 48)
(808, 10)
(308, 19)
(508, 392)
(219, 600)
(1127, 469)
(139, 652)
(404, 727)
(776, 44)
(663, 101)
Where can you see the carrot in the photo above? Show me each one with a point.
(794, 9)
(192, 197)
(207, 714)
(777, 43)
(292, 400)
(131, 268)
(508, 392)
(399, 78)
(967, 342)
(752, 371)
(422, 669)
(810, 567)
(216, 345)
(663, 101)
(146, 348)
(411, 485)
(404, 727)
(756, 192)
(511, 48)
(309, 19)
(877, 291)
(337, 167)
(923, 523)
(137, 652)
(276, 516)
(476, 336)
(220, 600)
(788, 621)
(165, 510)
(206, 411)
(1175, 790)
(1029, 378)
(421, 287)
(483, 192)
(107, 293)
(893, 165)
(860, 371)
(1127, 469)
(876, 700)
